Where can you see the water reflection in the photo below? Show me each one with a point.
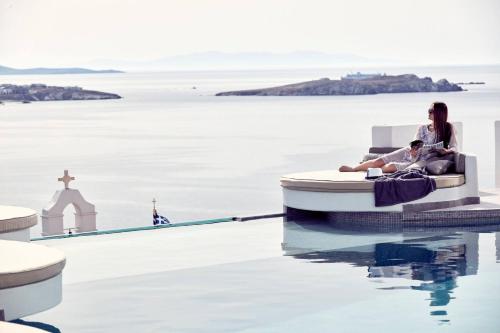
(436, 258)
(438, 267)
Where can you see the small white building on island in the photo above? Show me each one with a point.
(361, 76)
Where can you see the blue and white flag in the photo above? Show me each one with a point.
(158, 219)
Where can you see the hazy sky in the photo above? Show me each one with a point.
(71, 32)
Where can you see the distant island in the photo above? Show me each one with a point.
(42, 92)
(214, 60)
(353, 84)
(42, 71)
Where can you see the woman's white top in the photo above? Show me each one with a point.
(402, 158)
(429, 137)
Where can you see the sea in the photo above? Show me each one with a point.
(202, 157)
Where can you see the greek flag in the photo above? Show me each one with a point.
(158, 219)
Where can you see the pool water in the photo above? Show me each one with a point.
(280, 276)
(426, 279)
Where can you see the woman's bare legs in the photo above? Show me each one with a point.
(376, 163)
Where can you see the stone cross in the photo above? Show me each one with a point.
(66, 179)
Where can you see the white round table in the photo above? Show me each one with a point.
(30, 278)
(15, 222)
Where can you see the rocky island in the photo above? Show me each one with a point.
(42, 92)
(357, 84)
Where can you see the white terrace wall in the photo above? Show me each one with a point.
(401, 135)
(497, 153)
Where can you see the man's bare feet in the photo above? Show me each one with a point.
(346, 168)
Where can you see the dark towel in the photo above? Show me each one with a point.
(402, 186)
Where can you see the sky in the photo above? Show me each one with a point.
(74, 32)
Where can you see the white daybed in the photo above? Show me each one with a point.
(351, 196)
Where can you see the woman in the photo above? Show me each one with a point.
(439, 130)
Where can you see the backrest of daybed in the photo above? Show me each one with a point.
(401, 135)
(386, 139)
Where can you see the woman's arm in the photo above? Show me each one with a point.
(419, 135)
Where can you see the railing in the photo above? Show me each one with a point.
(160, 226)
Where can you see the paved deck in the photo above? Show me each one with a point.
(490, 200)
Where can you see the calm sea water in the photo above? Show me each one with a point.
(203, 156)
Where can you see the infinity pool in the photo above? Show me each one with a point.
(279, 276)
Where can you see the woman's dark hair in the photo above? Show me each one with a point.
(441, 124)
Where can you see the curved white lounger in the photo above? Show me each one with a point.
(15, 222)
(30, 278)
(348, 197)
(351, 196)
